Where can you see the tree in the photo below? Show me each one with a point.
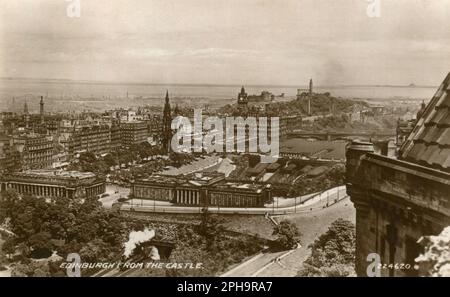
(41, 245)
(288, 235)
(333, 253)
(110, 160)
(8, 200)
(9, 246)
(209, 226)
(94, 251)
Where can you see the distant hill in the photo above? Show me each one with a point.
(320, 104)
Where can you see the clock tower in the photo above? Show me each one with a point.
(242, 98)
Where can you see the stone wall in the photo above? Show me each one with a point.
(396, 203)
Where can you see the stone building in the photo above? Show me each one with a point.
(242, 99)
(133, 133)
(95, 139)
(201, 189)
(399, 200)
(116, 139)
(36, 151)
(5, 152)
(239, 194)
(55, 183)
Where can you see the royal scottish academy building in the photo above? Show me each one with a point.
(201, 189)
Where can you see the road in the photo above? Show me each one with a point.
(311, 225)
(288, 206)
(114, 193)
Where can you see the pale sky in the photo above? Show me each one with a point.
(277, 42)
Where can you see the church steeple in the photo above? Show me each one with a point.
(167, 122)
(176, 111)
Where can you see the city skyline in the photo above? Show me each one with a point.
(227, 43)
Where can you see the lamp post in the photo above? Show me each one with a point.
(268, 187)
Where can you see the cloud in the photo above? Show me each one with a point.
(257, 41)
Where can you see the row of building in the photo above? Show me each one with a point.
(49, 141)
(198, 189)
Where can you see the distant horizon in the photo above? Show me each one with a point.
(106, 82)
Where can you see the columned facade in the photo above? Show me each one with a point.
(55, 184)
(187, 196)
(55, 191)
(211, 190)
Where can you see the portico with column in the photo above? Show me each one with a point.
(187, 196)
(38, 189)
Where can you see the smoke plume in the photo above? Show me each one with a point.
(135, 238)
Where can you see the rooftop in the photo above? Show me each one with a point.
(196, 179)
(55, 174)
(236, 185)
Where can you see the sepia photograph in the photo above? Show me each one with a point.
(250, 139)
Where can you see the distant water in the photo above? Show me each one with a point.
(71, 95)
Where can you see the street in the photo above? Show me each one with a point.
(287, 263)
(114, 192)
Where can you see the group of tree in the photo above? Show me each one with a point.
(142, 155)
(88, 161)
(209, 243)
(63, 226)
(333, 253)
(287, 235)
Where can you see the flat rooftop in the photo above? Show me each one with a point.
(235, 185)
(197, 179)
(55, 174)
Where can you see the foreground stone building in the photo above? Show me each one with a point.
(399, 200)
